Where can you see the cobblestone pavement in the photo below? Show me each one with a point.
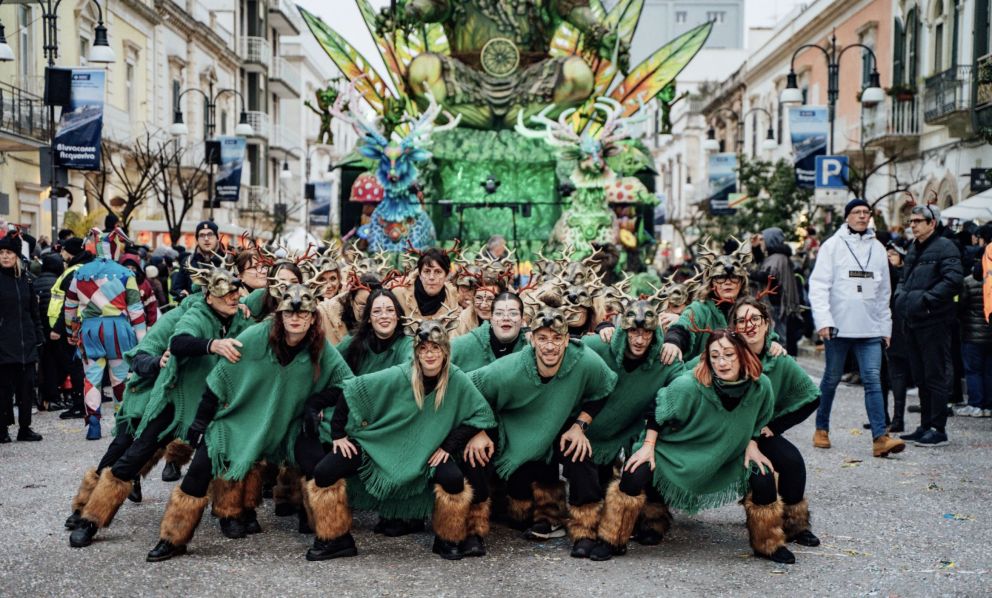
(917, 524)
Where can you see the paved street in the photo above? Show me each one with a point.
(914, 525)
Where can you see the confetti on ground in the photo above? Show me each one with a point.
(856, 432)
(934, 486)
(851, 462)
(958, 517)
(948, 564)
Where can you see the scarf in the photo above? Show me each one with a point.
(617, 426)
(478, 348)
(498, 347)
(397, 437)
(700, 448)
(428, 304)
(531, 414)
(259, 390)
(729, 392)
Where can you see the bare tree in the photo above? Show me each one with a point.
(182, 176)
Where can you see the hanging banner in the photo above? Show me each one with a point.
(808, 126)
(80, 129)
(227, 185)
(320, 214)
(722, 176)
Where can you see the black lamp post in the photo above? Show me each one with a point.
(769, 144)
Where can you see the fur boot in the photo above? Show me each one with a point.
(182, 515)
(178, 453)
(478, 519)
(619, 515)
(549, 502)
(90, 479)
(329, 506)
(583, 521)
(451, 513)
(226, 496)
(253, 488)
(795, 519)
(656, 517)
(107, 497)
(286, 494)
(520, 512)
(307, 514)
(764, 526)
(148, 467)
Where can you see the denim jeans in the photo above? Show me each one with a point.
(868, 352)
(978, 374)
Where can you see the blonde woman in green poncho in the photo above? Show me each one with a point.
(796, 398)
(400, 431)
(700, 451)
(252, 410)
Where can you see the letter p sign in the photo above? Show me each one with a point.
(831, 172)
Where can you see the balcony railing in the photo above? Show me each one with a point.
(24, 115)
(256, 51)
(946, 93)
(892, 118)
(288, 74)
(259, 122)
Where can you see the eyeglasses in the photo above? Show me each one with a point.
(547, 342)
(506, 315)
(205, 236)
(433, 273)
(725, 278)
(429, 350)
(755, 320)
(729, 358)
(484, 299)
(913, 221)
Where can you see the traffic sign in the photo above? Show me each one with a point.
(831, 172)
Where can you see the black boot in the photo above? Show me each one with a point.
(782, 555)
(645, 536)
(28, 435)
(5, 435)
(898, 410)
(805, 538)
(72, 521)
(304, 523)
(448, 551)
(323, 550)
(249, 519)
(171, 472)
(582, 548)
(473, 546)
(164, 551)
(135, 495)
(604, 551)
(394, 528)
(82, 536)
(232, 528)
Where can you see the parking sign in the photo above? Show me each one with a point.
(831, 172)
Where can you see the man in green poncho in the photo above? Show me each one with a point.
(545, 397)
(203, 335)
(497, 338)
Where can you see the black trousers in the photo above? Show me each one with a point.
(583, 478)
(789, 466)
(16, 387)
(58, 360)
(198, 475)
(763, 491)
(929, 351)
(899, 380)
(118, 446)
(143, 448)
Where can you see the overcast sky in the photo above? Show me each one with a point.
(765, 13)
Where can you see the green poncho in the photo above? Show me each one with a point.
(699, 455)
(472, 351)
(791, 385)
(261, 402)
(400, 352)
(530, 414)
(255, 302)
(701, 315)
(138, 390)
(622, 419)
(397, 438)
(182, 381)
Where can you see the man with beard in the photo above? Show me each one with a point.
(207, 242)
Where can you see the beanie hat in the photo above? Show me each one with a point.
(73, 246)
(206, 224)
(12, 243)
(854, 203)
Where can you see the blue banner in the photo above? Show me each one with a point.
(227, 185)
(722, 177)
(320, 214)
(80, 129)
(808, 126)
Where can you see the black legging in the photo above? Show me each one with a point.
(583, 478)
(450, 475)
(16, 387)
(118, 446)
(763, 490)
(789, 465)
(199, 473)
(129, 465)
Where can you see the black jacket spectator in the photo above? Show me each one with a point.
(974, 328)
(51, 267)
(930, 280)
(182, 284)
(20, 324)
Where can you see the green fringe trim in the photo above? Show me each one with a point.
(690, 502)
(382, 487)
(415, 507)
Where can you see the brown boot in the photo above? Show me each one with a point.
(519, 512)
(617, 521)
(331, 522)
(885, 445)
(821, 439)
(477, 529)
(182, 516)
(655, 522)
(764, 528)
(795, 524)
(583, 520)
(450, 521)
(227, 497)
(108, 496)
(86, 486)
(286, 494)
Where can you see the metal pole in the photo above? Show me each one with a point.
(210, 163)
(50, 31)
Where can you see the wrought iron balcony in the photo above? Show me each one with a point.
(23, 120)
(256, 53)
(947, 93)
(893, 125)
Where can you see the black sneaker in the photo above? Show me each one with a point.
(544, 530)
(913, 409)
(73, 413)
(932, 438)
(915, 435)
(28, 435)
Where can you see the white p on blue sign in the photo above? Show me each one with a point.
(831, 172)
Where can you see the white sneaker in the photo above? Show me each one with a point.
(986, 413)
(913, 392)
(968, 411)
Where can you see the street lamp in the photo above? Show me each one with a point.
(178, 127)
(768, 144)
(285, 174)
(870, 95)
(6, 54)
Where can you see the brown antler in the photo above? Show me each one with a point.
(769, 289)
(356, 283)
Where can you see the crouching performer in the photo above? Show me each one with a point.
(398, 433)
(252, 410)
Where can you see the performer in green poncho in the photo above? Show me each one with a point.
(203, 335)
(401, 430)
(145, 360)
(699, 449)
(796, 398)
(497, 338)
(252, 409)
(632, 354)
(545, 397)
(724, 280)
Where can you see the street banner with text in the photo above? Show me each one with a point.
(80, 129)
(320, 214)
(232, 157)
(808, 127)
(722, 177)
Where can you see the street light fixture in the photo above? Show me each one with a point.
(871, 94)
(6, 54)
(768, 144)
(101, 52)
